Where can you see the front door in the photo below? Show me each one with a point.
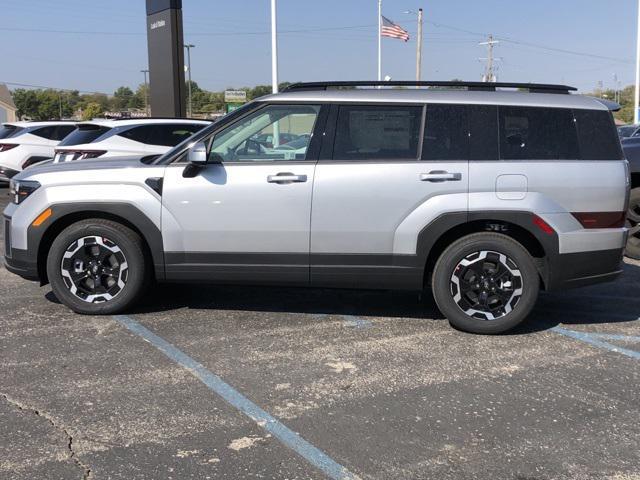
(244, 217)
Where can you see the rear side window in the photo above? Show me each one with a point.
(533, 133)
(172, 135)
(460, 132)
(62, 131)
(597, 135)
(377, 133)
(7, 131)
(84, 134)
(45, 132)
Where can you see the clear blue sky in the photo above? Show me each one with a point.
(104, 42)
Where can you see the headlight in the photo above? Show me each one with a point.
(21, 189)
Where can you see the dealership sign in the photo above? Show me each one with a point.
(235, 96)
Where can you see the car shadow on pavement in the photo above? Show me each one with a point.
(594, 305)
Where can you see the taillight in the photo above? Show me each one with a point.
(7, 146)
(601, 219)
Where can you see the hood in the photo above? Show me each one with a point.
(88, 164)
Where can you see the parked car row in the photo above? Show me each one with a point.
(23, 144)
(630, 139)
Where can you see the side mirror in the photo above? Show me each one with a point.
(198, 154)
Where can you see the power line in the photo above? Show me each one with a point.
(27, 85)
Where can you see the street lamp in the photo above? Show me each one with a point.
(419, 43)
(189, 47)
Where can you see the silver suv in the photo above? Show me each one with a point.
(484, 193)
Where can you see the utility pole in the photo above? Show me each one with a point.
(189, 47)
(60, 103)
(489, 73)
(418, 43)
(146, 92)
(636, 114)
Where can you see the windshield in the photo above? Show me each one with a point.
(626, 131)
(7, 131)
(84, 134)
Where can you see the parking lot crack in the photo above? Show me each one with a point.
(72, 455)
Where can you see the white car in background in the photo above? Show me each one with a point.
(117, 138)
(23, 144)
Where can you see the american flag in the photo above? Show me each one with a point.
(390, 29)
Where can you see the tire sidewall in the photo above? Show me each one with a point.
(475, 243)
(131, 250)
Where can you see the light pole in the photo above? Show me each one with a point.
(419, 43)
(274, 48)
(146, 92)
(189, 47)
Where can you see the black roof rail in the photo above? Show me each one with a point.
(474, 86)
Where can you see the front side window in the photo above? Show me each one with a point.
(377, 133)
(273, 133)
(536, 133)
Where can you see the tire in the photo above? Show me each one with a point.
(632, 250)
(490, 261)
(104, 255)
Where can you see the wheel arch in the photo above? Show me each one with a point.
(520, 226)
(126, 214)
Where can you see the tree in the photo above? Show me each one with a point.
(26, 102)
(92, 110)
(121, 98)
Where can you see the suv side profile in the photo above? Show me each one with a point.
(127, 137)
(475, 191)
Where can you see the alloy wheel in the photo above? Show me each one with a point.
(486, 285)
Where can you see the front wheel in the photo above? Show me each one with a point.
(97, 267)
(485, 283)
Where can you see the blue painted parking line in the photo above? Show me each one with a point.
(597, 340)
(356, 322)
(289, 438)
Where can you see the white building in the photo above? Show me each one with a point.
(7, 107)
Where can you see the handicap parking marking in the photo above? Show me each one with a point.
(599, 340)
(263, 419)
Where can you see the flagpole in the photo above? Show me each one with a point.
(379, 40)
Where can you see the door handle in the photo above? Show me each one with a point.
(440, 176)
(286, 177)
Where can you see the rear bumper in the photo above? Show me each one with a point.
(573, 270)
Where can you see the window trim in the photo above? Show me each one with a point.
(328, 144)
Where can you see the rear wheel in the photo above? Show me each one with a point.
(632, 249)
(97, 266)
(485, 283)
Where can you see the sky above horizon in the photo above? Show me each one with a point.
(90, 45)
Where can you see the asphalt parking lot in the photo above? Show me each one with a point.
(241, 382)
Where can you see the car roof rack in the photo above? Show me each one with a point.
(471, 86)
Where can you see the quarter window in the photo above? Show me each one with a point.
(597, 135)
(532, 133)
(377, 133)
(273, 133)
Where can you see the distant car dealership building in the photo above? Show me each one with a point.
(7, 107)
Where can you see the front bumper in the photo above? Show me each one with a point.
(7, 174)
(22, 263)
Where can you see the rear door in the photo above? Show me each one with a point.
(378, 184)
